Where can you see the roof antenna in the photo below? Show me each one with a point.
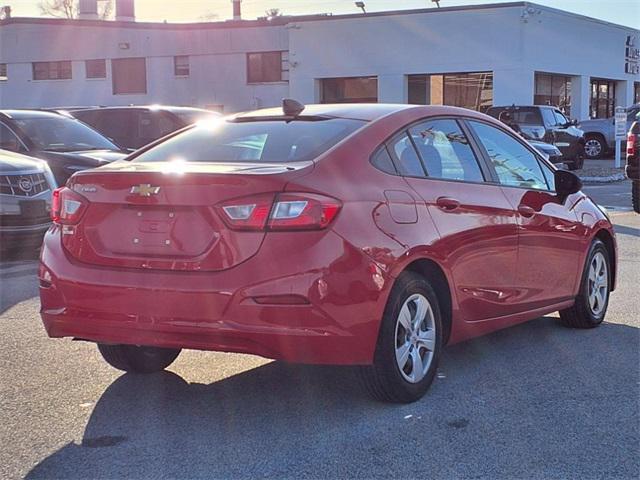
(291, 107)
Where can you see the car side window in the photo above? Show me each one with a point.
(515, 164)
(382, 161)
(152, 126)
(549, 175)
(548, 117)
(9, 140)
(116, 124)
(560, 118)
(445, 151)
(406, 156)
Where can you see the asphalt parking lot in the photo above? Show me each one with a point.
(534, 401)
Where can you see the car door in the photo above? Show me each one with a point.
(475, 221)
(550, 236)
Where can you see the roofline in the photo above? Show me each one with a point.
(284, 20)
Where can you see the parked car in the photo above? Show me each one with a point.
(26, 186)
(368, 235)
(599, 133)
(67, 144)
(633, 161)
(548, 124)
(550, 152)
(136, 126)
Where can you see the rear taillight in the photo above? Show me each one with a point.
(286, 211)
(67, 206)
(631, 144)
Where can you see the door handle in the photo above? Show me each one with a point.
(447, 203)
(526, 211)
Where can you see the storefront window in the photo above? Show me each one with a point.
(553, 90)
(467, 90)
(603, 98)
(349, 90)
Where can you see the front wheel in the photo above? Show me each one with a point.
(593, 298)
(409, 343)
(134, 359)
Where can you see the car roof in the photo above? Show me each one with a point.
(167, 108)
(23, 114)
(355, 111)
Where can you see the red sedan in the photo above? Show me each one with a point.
(369, 235)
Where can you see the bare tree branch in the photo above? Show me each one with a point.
(69, 9)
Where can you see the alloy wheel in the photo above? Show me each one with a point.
(593, 148)
(598, 283)
(415, 338)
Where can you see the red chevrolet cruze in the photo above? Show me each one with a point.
(368, 235)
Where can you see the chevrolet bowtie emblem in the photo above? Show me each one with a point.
(145, 190)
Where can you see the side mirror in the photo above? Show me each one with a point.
(567, 182)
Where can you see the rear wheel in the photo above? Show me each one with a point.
(409, 343)
(593, 298)
(131, 358)
(635, 195)
(594, 146)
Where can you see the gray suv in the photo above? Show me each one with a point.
(599, 133)
(26, 187)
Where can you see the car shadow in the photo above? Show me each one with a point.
(15, 268)
(537, 390)
(624, 230)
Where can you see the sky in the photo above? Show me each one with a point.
(624, 12)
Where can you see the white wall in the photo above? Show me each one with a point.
(217, 58)
(394, 46)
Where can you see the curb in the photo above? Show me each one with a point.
(618, 177)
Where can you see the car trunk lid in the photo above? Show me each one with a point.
(162, 216)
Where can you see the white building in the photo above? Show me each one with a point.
(476, 56)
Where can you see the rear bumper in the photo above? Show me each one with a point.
(22, 237)
(319, 301)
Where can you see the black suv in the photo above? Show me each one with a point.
(133, 127)
(547, 124)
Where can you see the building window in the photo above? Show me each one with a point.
(553, 90)
(266, 67)
(181, 66)
(603, 98)
(472, 90)
(349, 90)
(129, 76)
(3, 72)
(636, 87)
(96, 68)
(52, 70)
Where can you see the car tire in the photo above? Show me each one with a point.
(635, 195)
(135, 359)
(592, 301)
(406, 359)
(594, 146)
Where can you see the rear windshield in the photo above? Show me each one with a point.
(268, 141)
(521, 115)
